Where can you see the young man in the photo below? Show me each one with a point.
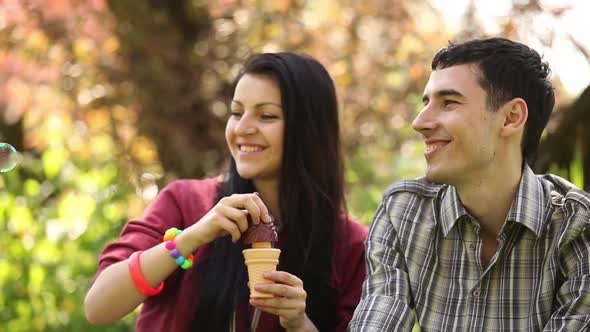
(481, 243)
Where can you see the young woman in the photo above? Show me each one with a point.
(283, 136)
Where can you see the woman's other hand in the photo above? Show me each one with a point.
(288, 303)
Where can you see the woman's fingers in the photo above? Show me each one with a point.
(281, 291)
(264, 214)
(279, 303)
(237, 215)
(287, 289)
(230, 216)
(231, 228)
(283, 278)
(251, 203)
(289, 298)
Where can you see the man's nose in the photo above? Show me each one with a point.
(426, 119)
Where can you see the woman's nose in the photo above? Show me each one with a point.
(245, 126)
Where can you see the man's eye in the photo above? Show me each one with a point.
(449, 102)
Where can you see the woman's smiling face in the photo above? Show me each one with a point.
(255, 129)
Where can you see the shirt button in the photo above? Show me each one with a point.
(476, 292)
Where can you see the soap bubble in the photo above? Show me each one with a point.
(8, 157)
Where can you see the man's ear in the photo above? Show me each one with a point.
(515, 113)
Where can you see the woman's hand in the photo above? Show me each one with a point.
(230, 216)
(288, 303)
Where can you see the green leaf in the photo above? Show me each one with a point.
(53, 161)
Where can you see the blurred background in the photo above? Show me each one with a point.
(106, 102)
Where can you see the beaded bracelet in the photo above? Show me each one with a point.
(183, 262)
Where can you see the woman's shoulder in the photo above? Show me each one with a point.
(352, 231)
(197, 186)
(191, 194)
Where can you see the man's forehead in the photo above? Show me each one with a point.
(459, 77)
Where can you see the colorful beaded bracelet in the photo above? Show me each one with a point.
(183, 262)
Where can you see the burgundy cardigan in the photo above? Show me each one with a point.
(181, 204)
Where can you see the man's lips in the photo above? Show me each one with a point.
(433, 146)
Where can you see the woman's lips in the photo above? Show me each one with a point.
(245, 149)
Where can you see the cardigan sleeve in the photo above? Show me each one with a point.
(180, 204)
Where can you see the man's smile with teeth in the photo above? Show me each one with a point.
(434, 146)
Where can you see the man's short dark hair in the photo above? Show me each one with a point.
(508, 70)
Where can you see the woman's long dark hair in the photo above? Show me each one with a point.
(310, 196)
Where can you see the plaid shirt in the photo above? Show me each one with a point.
(423, 261)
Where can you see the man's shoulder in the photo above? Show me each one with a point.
(420, 187)
(562, 191)
(574, 206)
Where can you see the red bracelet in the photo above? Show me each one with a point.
(141, 284)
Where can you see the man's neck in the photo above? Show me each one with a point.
(489, 197)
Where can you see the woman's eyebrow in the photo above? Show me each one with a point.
(259, 104)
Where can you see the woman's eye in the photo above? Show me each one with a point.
(269, 116)
(235, 114)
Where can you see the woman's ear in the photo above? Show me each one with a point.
(515, 113)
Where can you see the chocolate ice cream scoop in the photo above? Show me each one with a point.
(263, 232)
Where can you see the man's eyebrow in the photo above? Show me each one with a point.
(444, 93)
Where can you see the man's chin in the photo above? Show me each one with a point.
(435, 177)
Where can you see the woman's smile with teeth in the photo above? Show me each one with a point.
(249, 148)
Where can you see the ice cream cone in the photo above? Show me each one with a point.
(258, 261)
(261, 245)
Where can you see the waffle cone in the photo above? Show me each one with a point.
(259, 261)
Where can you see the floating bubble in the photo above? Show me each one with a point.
(8, 157)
